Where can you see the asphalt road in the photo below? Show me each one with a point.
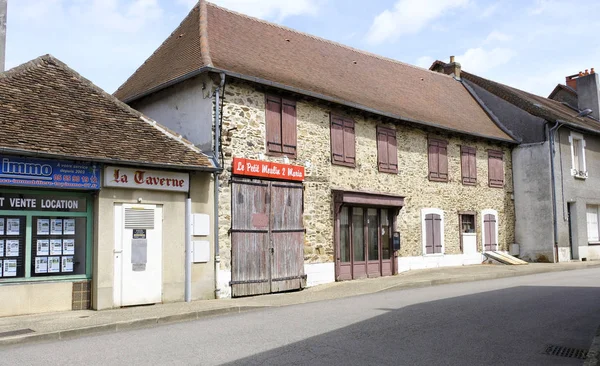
(497, 322)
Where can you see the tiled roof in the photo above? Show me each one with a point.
(267, 53)
(545, 108)
(46, 108)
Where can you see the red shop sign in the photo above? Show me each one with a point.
(265, 169)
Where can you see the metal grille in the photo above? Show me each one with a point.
(136, 218)
(569, 352)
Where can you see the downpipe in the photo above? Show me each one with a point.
(551, 133)
(217, 124)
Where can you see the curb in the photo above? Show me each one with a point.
(473, 278)
(593, 356)
(123, 325)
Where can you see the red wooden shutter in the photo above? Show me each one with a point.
(392, 151)
(496, 168)
(337, 140)
(468, 167)
(349, 142)
(382, 150)
(273, 119)
(288, 127)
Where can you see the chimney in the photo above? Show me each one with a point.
(571, 81)
(452, 68)
(588, 93)
(3, 7)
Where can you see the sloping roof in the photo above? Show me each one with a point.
(545, 108)
(560, 87)
(46, 108)
(216, 39)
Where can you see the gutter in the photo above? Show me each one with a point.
(110, 161)
(310, 94)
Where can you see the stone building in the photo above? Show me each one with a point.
(556, 168)
(338, 164)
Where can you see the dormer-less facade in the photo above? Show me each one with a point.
(335, 168)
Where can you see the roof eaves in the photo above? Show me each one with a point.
(167, 84)
(350, 104)
(489, 112)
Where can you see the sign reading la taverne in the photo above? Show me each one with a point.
(146, 179)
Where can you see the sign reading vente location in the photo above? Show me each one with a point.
(146, 179)
(265, 169)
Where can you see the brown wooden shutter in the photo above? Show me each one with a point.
(288, 127)
(489, 222)
(382, 150)
(392, 152)
(429, 241)
(349, 142)
(337, 140)
(496, 168)
(433, 234)
(438, 160)
(273, 119)
(468, 167)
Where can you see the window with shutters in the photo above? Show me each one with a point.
(438, 160)
(496, 168)
(578, 166)
(387, 150)
(468, 165)
(432, 230)
(343, 149)
(593, 224)
(281, 126)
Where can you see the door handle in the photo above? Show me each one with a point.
(271, 250)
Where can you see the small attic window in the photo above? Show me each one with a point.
(354, 62)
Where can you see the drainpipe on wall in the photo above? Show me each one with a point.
(551, 133)
(216, 180)
(188, 249)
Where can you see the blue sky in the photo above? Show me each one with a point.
(529, 44)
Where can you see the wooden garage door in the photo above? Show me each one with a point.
(267, 237)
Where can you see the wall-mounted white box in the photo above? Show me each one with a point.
(200, 225)
(200, 251)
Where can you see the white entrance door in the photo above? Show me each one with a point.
(138, 254)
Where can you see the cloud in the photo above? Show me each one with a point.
(489, 11)
(408, 16)
(479, 60)
(424, 61)
(130, 16)
(497, 36)
(268, 9)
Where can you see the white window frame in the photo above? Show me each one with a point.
(587, 223)
(483, 213)
(582, 173)
(425, 212)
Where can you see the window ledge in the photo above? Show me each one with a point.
(434, 255)
(593, 242)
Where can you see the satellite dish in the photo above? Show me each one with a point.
(584, 113)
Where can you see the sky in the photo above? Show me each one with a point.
(529, 44)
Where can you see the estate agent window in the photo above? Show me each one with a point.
(387, 150)
(44, 235)
(343, 147)
(593, 225)
(496, 168)
(468, 163)
(437, 151)
(281, 126)
(578, 168)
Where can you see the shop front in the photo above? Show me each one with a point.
(365, 238)
(46, 234)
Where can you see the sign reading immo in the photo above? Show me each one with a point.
(43, 173)
(146, 179)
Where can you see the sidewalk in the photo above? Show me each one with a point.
(64, 325)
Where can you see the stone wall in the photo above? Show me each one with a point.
(244, 136)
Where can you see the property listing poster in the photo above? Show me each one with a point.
(1, 248)
(41, 265)
(43, 226)
(1, 268)
(13, 226)
(67, 264)
(53, 264)
(43, 247)
(68, 247)
(56, 227)
(69, 227)
(1, 225)
(12, 248)
(55, 246)
(10, 267)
